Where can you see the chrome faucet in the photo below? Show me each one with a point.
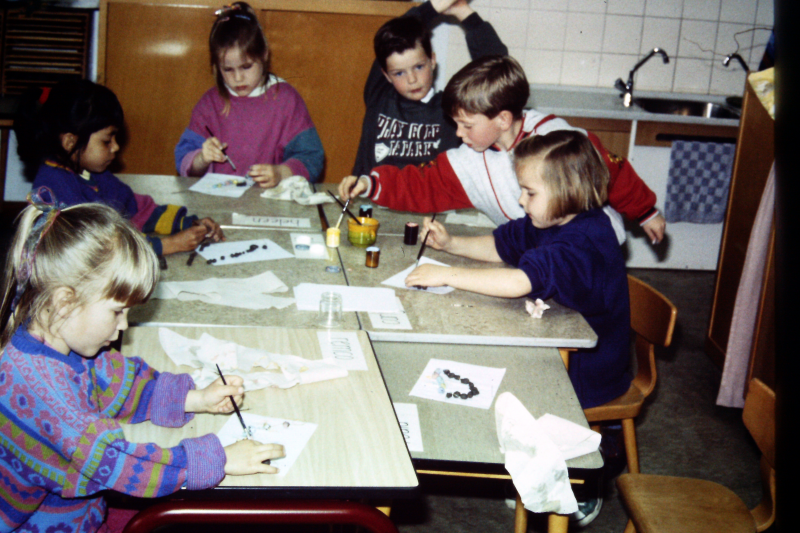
(627, 87)
(727, 61)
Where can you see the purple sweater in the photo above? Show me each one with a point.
(61, 443)
(274, 128)
(580, 266)
(106, 188)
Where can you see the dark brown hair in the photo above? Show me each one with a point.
(487, 86)
(237, 26)
(572, 170)
(401, 34)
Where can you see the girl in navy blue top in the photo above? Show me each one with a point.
(565, 249)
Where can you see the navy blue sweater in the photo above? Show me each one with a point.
(580, 265)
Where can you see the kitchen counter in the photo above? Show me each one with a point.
(593, 102)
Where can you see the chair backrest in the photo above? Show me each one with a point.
(653, 320)
(759, 417)
(652, 314)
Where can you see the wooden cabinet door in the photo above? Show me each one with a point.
(158, 66)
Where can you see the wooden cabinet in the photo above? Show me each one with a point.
(154, 56)
(614, 134)
(754, 156)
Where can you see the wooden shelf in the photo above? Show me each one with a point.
(43, 48)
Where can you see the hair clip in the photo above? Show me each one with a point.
(45, 201)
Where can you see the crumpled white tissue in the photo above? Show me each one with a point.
(296, 188)
(537, 468)
(245, 293)
(233, 359)
(536, 309)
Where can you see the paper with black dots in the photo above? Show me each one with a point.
(228, 253)
(458, 383)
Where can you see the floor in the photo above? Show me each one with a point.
(681, 432)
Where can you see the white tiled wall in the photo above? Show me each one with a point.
(593, 42)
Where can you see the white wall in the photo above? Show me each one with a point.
(593, 42)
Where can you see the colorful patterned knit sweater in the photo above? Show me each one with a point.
(106, 188)
(61, 442)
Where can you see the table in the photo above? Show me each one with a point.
(357, 450)
(461, 326)
(462, 441)
(175, 190)
(459, 317)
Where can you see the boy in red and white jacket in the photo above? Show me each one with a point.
(486, 99)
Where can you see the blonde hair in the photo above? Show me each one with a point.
(90, 249)
(237, 26)
(572, 170)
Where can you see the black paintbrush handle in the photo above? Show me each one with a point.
(425, 240)
(345, 209)
(235, 407)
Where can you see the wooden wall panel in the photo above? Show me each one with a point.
(326, 57)
(157, 64)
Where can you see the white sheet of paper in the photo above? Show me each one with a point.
(435, 387)
(408, 417)
(342, 349)
(262, 250)
(272, 222)
(292, 434)
(397, 320)
(368, 299)
(222, 185)
(246, 293)
(479, 220)
(399, 279)
(315, 244)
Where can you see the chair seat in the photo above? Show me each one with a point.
(626, 406)
(663, 504)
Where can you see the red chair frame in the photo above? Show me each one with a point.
(260, 512)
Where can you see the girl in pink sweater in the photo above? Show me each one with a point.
(253, 122)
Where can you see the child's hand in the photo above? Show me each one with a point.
(441, 6)
(215, 398)
(214, 231)
(248, 456)
(351, 186)
(213, 151)
(183, 241)
(459, 9)
(427, 276)
(655, 228)
(438, 238)
(269, 176)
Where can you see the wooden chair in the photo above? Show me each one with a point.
(673, 504)
(653, 321)
(230, 513)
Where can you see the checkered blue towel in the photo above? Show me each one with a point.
(699, 178)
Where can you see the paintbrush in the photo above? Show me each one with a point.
(344, 206)
(341, 216)
(235, 407)
(228, 159)
(424, 242)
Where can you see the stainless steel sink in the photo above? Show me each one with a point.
(689, 108)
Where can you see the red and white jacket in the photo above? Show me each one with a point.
(462, 178)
